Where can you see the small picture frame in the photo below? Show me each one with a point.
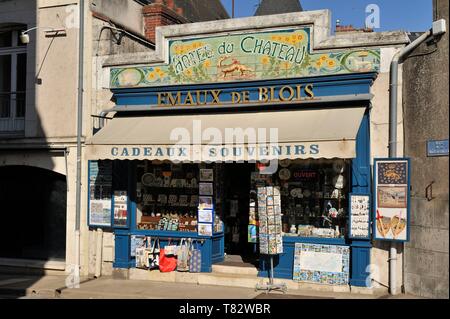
(205, 202)
(205, 189)
(205, 216)
(206, 175)
(204, 229)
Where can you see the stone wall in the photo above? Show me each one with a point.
(425, 94)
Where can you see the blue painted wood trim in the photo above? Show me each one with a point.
(333, 79)
(122, 249)
(359, 267)
(323, 86)
(123, 180)
(361, 177)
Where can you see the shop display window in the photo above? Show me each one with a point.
(314, 196)
(167, 196)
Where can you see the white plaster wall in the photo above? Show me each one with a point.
(41, 159)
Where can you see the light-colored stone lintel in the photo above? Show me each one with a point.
(141, 58)
(322, 18)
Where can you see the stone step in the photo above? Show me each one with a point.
(229, 279)
(223, 269)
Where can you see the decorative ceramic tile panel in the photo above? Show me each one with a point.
(277, 54)
(324, 264)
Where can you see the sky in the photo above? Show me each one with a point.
(405, 15)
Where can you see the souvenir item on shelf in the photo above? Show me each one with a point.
(162, 198)
(148, 179)
(194, 201)
(205, 216)
(205, 202)
(293, 229)
(307, 193)
(204, 229)
(276, 191)
(284, 174)
(166, 181)
(297, 192)
(277, 200)
(172, 199)
(205, 189)
(183, 255)
(148, 198)
(338, 182)
(183, 200)
(167, 263)
(195, 261)
(141, 260)
(338, 166)
(152, 254)
(206, 175)
(285, 162)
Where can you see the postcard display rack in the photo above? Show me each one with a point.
(270, 230)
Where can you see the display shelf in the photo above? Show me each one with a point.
(168, 234)
(314, 240)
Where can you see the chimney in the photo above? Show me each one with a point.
(161, 13)
(350, 28)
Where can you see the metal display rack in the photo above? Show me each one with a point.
(269, 203)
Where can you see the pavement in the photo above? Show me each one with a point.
(54, 287)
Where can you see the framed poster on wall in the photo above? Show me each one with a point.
(392, 199)
(359, 216)
(120, 208)
(100, 193)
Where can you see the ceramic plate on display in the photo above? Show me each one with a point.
(285, 162)
(338, 166)
(338, 182)
(148, 179)
(284, 174)
(296, 192)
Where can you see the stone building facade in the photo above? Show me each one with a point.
(425, 105)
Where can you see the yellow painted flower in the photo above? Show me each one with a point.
(319, 64)
(151, 76)
(207, 64)
(162, 74)
(285, 65)
(157, 70)
(323, 58)
(331, 63)
(188, 72)
(265, 60)
(300, 37)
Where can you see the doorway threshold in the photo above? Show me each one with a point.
(239, 261)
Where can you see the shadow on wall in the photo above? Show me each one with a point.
(33, 195)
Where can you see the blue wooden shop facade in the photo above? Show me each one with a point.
(334, 90)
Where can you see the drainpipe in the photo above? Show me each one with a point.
(399, 57)
(79, 134)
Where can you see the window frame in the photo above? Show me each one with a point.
(14, 51)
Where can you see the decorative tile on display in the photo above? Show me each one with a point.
(251, 56)
(324, 264)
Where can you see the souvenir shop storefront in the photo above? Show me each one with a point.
(252, 164)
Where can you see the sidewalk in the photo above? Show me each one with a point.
(17, 286)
